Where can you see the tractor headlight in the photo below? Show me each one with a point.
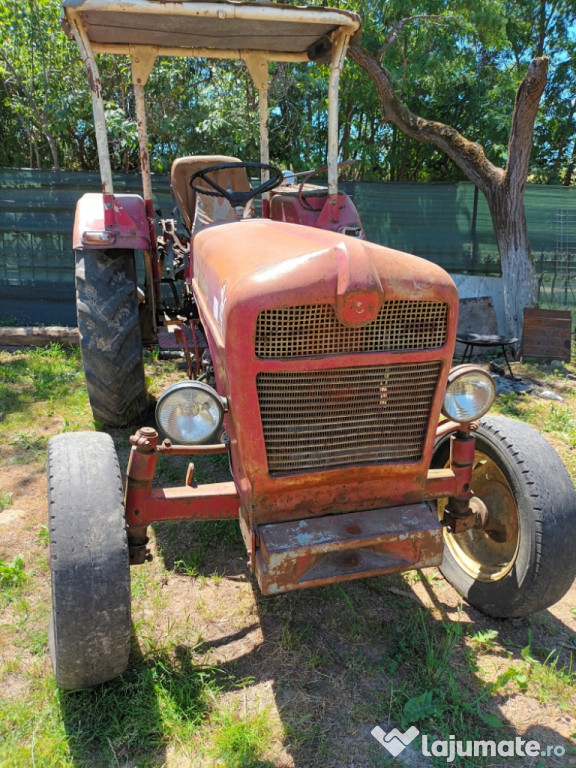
(469, 394)
(190, 412)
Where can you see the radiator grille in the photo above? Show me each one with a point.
(315, 330)
(317, 420)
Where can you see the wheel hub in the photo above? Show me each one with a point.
(485, 540)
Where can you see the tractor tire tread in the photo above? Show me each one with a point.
(109, 326)
(546, 495)
(89, 633)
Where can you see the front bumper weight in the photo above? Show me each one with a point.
(341, 547)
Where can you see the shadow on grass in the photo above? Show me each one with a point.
(339, 660)
(130, 721)
(119, 719)
(392, 652)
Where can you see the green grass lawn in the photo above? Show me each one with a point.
(221, 676)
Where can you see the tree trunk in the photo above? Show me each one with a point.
(518, 273)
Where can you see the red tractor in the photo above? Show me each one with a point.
(320, 363)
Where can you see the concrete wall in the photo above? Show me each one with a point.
(479, 286)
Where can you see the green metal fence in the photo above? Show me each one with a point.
(446, 223)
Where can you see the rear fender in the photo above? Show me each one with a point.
(114, 222)
(336, 214)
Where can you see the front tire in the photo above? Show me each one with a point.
(89, 632)
(109, 325)
(524, 561)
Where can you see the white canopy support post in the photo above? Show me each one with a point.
(142, 58)
(257, 65)
(89, 59)
(339, 45)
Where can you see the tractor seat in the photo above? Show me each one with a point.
(201, 210)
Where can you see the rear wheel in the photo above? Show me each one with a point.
(108, 321)
(89, 633)
(522, 561)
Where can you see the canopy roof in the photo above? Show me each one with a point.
(220, 28)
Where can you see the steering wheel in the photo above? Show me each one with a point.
(236, 199)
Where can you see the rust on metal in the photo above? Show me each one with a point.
(166, 448)
(315, 551)
(144, 505)
(137, 546)
(145, 439)
(455, 481)
(257, 357)
(211, 501)
(462, 515)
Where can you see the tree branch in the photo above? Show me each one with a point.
(393, 34)
(468, 155)
(525, 109)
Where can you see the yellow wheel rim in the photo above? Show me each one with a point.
(487, 554)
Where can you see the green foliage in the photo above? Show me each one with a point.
(420, 708)
(12, 574)
(485, 638)
(459, 63)
(5, 499)
(47, 372)
(43, 535)
(190, 563)
(240, 741)
(40, 70)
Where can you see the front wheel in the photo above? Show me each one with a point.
(523, 560)
(89, 632)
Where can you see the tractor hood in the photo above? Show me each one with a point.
(253, 265)
(297, 316)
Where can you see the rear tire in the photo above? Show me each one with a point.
(89, 633)
(108, 321)
(524, 561)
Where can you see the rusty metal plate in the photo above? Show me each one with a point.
(547, 334)
(315, 551)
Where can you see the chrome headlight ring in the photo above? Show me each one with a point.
(190, 413)
(470, 393)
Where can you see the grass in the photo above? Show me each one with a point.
(222, 677)
(166, 694)
(40, 385)
(12, 574)
(5, 499)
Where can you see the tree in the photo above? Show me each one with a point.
(502, 187)
(547, 27)
(37, 75)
